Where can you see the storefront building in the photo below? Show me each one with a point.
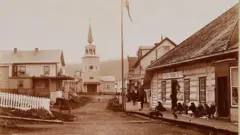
(146, 56)
(204, 65)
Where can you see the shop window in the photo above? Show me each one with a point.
(20, 83)
(202, 89)
(163, 90)
(186, 90)
(46, 70)
(234, 86)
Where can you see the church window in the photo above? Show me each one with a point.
(93, 51)
(90, 51)
(91, 67)
(90, 77)
(86, 51)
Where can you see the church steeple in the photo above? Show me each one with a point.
(90, 38)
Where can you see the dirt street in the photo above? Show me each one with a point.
(95, 119)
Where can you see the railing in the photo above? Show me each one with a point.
(23, 102)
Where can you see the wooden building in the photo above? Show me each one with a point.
(33, 72)
(205, 67)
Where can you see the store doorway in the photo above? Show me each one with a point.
(223, 104)
(174, 93)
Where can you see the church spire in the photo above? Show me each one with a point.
(90, 38)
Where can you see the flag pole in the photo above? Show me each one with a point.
(122, 58)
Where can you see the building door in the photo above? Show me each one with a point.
(92, 88)
(174, 93)
(223, 104)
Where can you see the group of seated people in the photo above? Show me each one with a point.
(199, 111)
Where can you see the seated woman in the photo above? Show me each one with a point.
(185, 107)
(200, 110)
(206, 109)
(179, 108)
(211, 111)
(157, 112)
(193, 109)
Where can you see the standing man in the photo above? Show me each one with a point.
(141, 98)
(173, 96)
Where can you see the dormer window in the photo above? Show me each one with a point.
(166, 49)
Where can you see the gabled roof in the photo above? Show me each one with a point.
(153, 48)
(131, 62)
(108, 78)
(211, 39)
(145, 47)
(39, 56)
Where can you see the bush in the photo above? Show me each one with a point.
(33, 113)
(113, 104)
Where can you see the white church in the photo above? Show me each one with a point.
(92, 81)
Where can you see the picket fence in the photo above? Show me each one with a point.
(23, 102)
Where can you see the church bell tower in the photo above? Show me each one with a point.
(90, 66)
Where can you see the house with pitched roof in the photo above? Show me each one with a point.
(146, 55)
(36, 73)
(205, 66)
(107, 85)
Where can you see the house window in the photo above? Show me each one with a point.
(22, 70)
(163, 90)
(186, 90)
(20, 83)
(202, 89)
(46, 70)
(90, 77)
(107, 86)
(234, 86)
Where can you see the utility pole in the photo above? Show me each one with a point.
(122, 58)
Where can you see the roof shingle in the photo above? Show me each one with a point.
(212, 38)
(40, 56)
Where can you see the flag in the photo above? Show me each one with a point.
(127, 6)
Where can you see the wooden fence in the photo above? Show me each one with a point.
(23, 102)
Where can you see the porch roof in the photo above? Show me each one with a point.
(54, 77)
(91, 83)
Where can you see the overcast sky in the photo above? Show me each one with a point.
(63, 24)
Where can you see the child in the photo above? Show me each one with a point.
(98, 98)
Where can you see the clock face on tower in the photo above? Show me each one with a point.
(90, 67)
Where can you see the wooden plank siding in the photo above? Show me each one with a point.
(192, 72)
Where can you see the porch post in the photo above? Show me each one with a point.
(49, 85)
(97, 88)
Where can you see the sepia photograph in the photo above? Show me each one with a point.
(119, 67)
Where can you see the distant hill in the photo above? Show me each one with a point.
(110, 67)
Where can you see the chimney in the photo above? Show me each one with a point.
(15, 50)
(36, 49)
